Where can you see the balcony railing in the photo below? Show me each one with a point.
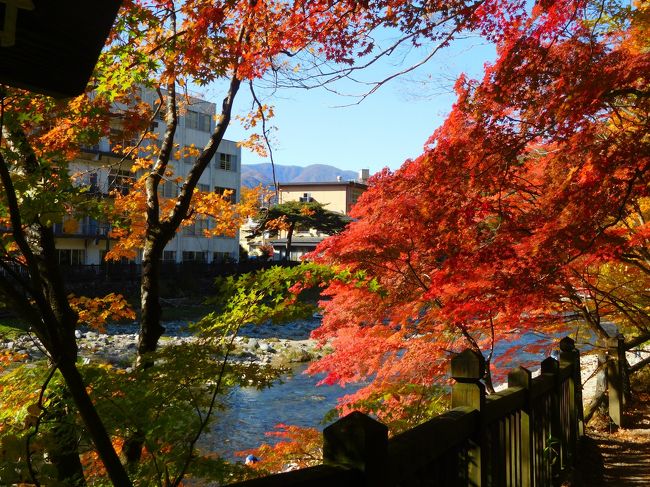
(84, 229)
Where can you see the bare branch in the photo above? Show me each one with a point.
(265, 134)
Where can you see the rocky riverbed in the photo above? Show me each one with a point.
(275, 344)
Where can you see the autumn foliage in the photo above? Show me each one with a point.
(97, 312)
(291, 447)
(527, 209)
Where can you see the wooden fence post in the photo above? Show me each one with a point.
(615, 389)
(522, 377)
(551, 367)
(359, 442)
(467, 369)
(569, 355)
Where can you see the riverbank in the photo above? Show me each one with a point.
(589, 375)
(269, 344)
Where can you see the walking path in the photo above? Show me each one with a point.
(617, 458)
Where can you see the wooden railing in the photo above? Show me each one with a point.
(526, 435)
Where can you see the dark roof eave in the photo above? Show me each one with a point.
(57, 45)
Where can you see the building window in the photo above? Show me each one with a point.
(197, 227)
(197, 120)
(204, 188)
(91, 226)
(202, 224)
(94, 148)
(306, 198)
(169, 256)
(219, 257)
(119, 142)
(189, 231)
(169, 189)
(93, 183)
(191, 256)
(120, 181)
(71, 256)
(160, 114)
(231, 193)
(227, 162)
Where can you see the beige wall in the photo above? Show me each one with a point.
(334, 197)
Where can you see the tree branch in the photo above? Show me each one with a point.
(180, 210)
(32, 434)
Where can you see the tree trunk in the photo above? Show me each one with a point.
(93, 422)
(601, 379)
(44, 303)
(487, 378)
(150, 332)
(287, 255)
(159, 233)
(150, 310)
(65, 453)
(627, 386)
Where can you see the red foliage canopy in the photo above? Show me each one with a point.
(527, 203)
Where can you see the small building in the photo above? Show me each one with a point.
(338, 196)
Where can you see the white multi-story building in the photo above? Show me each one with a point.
(85, 241)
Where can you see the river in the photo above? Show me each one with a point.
(295, 399)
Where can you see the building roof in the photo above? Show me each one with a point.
(354, 184)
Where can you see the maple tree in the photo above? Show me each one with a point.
(39, 136)
(296, 215)
(295, 447)
(527, 209)
(164, 45)
(167, 44)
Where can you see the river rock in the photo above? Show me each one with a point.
(299, 355)
(265, 347)
(118, 343)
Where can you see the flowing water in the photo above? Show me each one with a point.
(293, 400)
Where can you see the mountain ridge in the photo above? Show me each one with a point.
(253, 175)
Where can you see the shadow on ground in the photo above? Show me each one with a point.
(617, 457)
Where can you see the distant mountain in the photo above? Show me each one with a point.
(255, 174)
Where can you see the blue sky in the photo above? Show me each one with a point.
(384, 130)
